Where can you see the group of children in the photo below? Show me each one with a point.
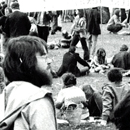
(102, 106)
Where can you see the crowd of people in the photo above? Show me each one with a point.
(26, 74)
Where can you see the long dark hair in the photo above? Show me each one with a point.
(20, 60)
(100, 56)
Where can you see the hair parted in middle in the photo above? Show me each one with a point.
(20, 60)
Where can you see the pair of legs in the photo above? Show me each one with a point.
(43, 32)
(114, 28)
(92, 44)
(75, 41)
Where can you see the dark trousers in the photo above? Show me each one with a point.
(75, 40)
(114, 28)
(43, 32)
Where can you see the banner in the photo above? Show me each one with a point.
(46, 5)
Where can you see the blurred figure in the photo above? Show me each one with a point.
(113, 92)
(17, 23)
(28, 102)
(43, 24)
(99, 62)
(94, 101)
(70, 100)
(114, 24)
(69, 64)
(119, 60)
(66, 39)
(3, 18)
(122, 113)
(2, 86)
(93, 21)
(78, 32)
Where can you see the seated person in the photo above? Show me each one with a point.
(69, 64)
(66, 40)
(119, 60)
(122, 113)
(112, 93)
(99, 62)
(70, 96)
(94, 101)
(114, 24)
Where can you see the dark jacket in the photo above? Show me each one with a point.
(120, 60)
(122, 113)
(17, 24)
(128, 61)
(69, 64)
(93, 21)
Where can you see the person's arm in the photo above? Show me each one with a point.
(107, 103)
(59, 100)
(117, 21)
(81, 61)
(40, 115)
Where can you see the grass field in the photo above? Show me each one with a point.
(110, 42)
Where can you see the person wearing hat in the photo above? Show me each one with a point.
(69, 63)
(17, 23)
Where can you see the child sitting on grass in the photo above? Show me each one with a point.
(70, 100)
(99, 62)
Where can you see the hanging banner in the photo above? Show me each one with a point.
(46, 5)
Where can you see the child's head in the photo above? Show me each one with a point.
(124, 47)
(101, 54)
(69, 80)
(114, 75)
(88, 90)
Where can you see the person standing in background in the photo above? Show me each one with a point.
(93, 28)
(43, 24)
(78, 30)
(17, 23)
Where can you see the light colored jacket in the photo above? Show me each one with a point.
(28, 107)
(112, 94)
(79, 26)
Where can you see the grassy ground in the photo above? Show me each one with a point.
(110, 42)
